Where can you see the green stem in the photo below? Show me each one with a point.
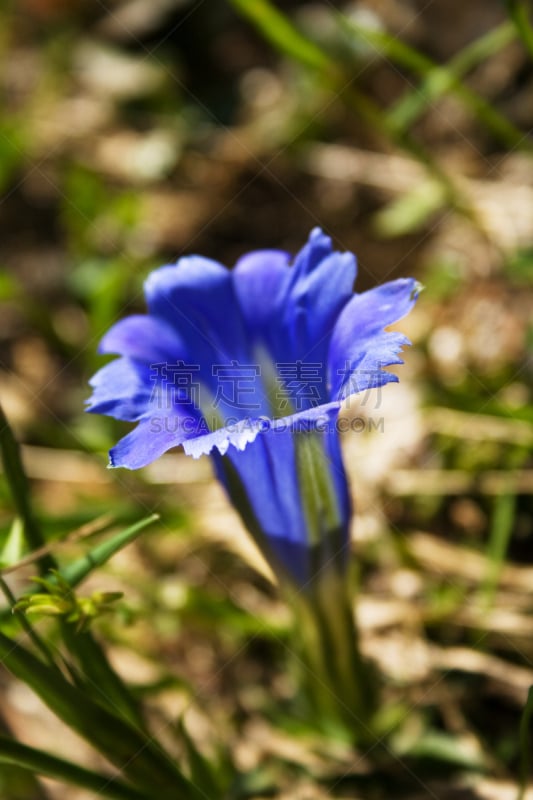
(337, 680)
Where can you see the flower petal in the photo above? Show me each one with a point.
(332, 446)
(320, 285)
(268, 490)
(291, 309)
(238, 434)
(318, 247)
(242, 432)
(311, 419)
(121, 389)
(144, 338)
(359, 347)
(152, 437)
(313, 304)
(267, 473)
(260, 279)
(196, 297)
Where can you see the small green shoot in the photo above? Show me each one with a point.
(59, 600)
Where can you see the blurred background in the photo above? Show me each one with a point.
(135, 131)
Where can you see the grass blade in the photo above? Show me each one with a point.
(410, 211)
(91, 657)
(518, 12)
(40, 763)
(20, 490)
(280, 32)
(499, 536)
(201, 770)
(135, 753)
(76, 572)
(102, 681)
(278, 29)
(439, 80)
(21, 783)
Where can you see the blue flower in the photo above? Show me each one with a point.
(251, 365)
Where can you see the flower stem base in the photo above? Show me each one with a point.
(340, 690)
